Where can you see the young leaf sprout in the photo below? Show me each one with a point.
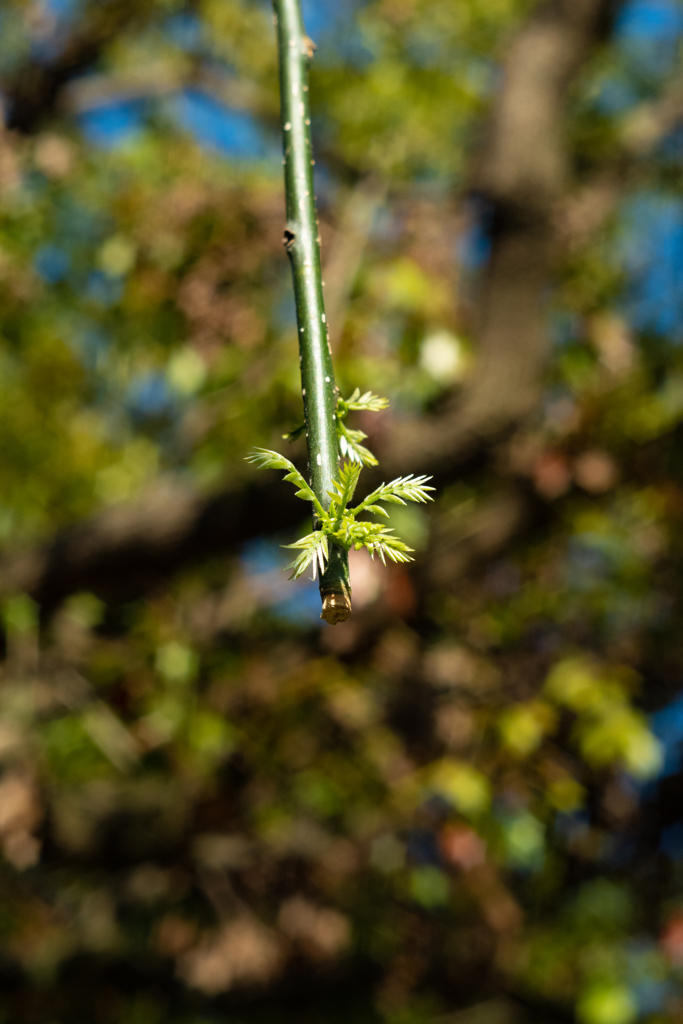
(338, 524)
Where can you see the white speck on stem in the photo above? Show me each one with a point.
(324, 319)
(287, 126)
(304, 392)
(301, 110)
(307, 121)
(319, 459)
(327, 379)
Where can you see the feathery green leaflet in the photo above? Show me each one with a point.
(339, 524)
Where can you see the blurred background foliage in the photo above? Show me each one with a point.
(465, 805)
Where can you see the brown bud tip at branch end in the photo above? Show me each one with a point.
(336, 607)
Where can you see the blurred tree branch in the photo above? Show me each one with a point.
(130, 548)
(86, 94)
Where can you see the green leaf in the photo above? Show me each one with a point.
(368, 401)
(376, 510)
(361, 533)
(350, 445)
(351, 448)
(400, 490)
(266, 459)
(377, 539)
(344, 488)
(390, 547)
(314, 549)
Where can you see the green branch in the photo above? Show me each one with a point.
(336, 528)
(303, 247)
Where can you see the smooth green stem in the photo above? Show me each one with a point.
(303, 246)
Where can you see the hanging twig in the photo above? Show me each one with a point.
(336, 526)
(303, 246)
